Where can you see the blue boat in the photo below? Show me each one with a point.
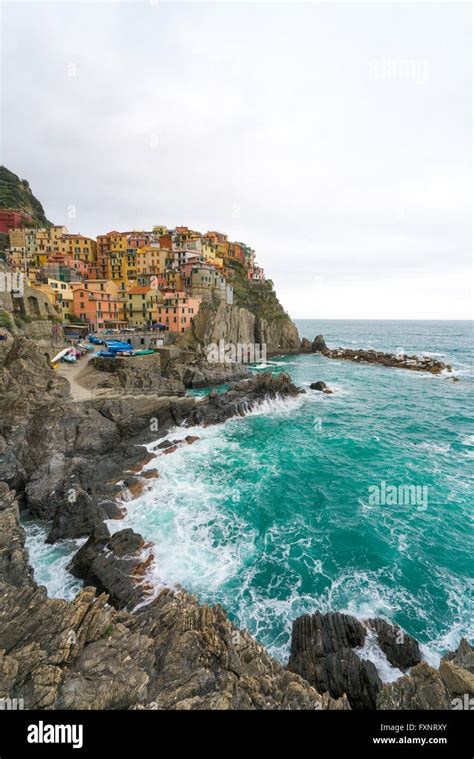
(107, 354)
(116, 345)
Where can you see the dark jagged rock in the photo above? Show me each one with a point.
(321, 386)
(77, 516)
(422, 689)
(114, 565)
(402, 361)
(164, 444)
(318, 385)
(172, 654)
(319, 344)
(137, 373)
(401, 650)
(306, 346)
(14, 567)
(202, 374)
(242, 397)
(322, 651)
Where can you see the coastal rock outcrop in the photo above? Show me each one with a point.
(321, 386)
(141, 374)
(397, 361)
(14, 566)
(326, 649)
(401, 649)
(422, 689)
(256, 318)
(200, 373)
(319, 344)
(457, 671)
(322, 651)
(171, 654)
(242, 397)
(115, 565)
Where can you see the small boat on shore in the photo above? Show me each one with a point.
(117, 346)
(59, 356)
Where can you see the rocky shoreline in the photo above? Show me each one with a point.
(116, 646)
(402, 361)
(174, 653)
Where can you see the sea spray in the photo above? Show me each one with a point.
(264, 514)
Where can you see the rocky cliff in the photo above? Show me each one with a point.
(256, 317)
(16, 193)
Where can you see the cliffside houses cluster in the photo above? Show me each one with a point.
(131, 279)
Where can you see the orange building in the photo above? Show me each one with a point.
(100, 309)
(177, 311)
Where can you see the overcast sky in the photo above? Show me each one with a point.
(333, 138)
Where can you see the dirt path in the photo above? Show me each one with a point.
(70, 372)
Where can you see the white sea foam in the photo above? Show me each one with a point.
(277, 406)
(435, 447)
(50, 561)
(197, 542)
(372, 652)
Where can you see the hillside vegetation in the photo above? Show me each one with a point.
(16, 193)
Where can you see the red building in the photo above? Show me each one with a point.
(11, 219)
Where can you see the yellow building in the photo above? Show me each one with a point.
(222, 250)
(81, 248)
(151, 260)
(64, 296)
(160, 230)
(122, 259)
(47, 290)
(142, 305)
(209, 252)
(112, 256)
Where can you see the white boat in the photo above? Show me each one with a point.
(60, 355)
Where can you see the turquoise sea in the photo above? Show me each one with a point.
(270, 516)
